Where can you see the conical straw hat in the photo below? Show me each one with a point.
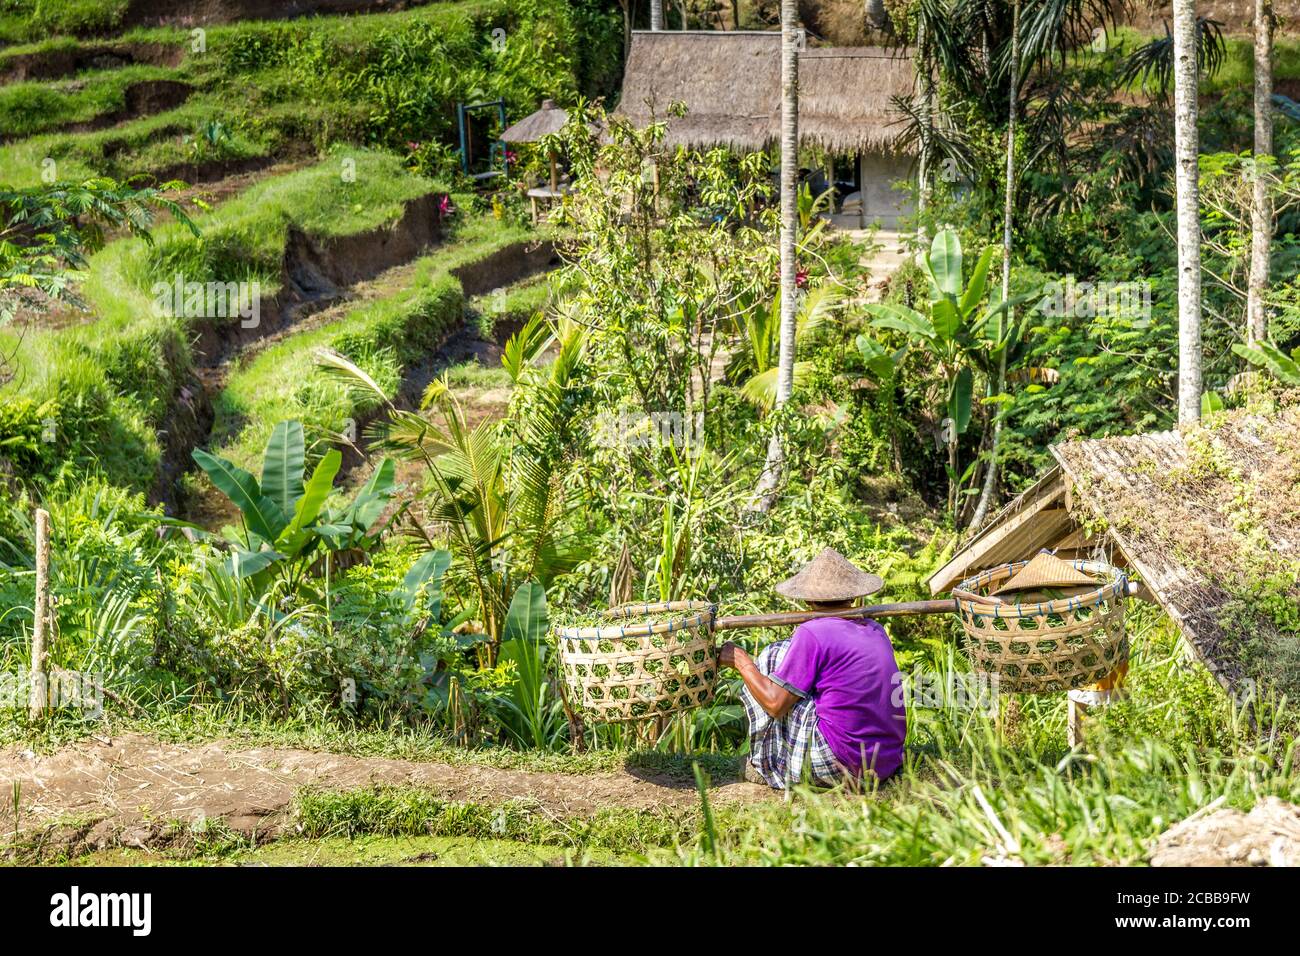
(829, 577)
(1046, 571)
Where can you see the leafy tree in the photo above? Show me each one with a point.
(669, 250)
(1285, 368)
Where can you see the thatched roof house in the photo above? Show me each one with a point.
(1204, 518)
(730, 82)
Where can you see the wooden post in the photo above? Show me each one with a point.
(38, 692)
(1074, 730)
(555, 172)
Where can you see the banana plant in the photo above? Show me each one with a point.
(961, 331)
(1285, 368)
(285, 523)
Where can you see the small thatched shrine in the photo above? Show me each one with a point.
(1208, 518)
(730, 82)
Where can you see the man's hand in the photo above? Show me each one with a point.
(771, 696)
(727, 654)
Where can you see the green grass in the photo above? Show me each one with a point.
(380, 78)
(365, 851)
(1238, 70)
(1174, 746)
(113, 380)
(323, 731)
(970, 793)
(411, 811)
(27, 109)
(23, 21)
(150, 144)
(513, 305)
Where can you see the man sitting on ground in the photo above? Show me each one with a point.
(827, 701)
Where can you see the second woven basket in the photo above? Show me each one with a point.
(1038, 647)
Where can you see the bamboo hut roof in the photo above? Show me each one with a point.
(1193, 513)
(547, 121)
(730, 82)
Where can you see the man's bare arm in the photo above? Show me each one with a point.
(771, 696)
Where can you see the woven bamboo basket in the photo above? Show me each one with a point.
(1043, 647)
(651, 660)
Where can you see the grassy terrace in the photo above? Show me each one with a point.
(40, 24)
(26, 20)
(383, 336)
(31, 108)
(109, 382)
(382, 78)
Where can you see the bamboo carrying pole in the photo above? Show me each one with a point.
(38, 695)
(906, 609)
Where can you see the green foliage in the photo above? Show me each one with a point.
(30, 108)
(497, 488)
(1285, 368)
(385, 79)
(961, 334)
(673, 257)
(119, 377)
(104, 577)
(762, 329)
(286, 523)
(410, 811)
(48, 232)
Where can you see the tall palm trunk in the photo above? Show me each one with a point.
(656, 14)
(1008, 212)
(789, 225)
(925, 160)
(1189, 229)
(1261, 206)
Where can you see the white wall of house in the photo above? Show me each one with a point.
(878, 172)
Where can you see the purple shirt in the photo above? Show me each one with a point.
(848, 669)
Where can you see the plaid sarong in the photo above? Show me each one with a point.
(782, 750)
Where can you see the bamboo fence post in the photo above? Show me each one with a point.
(38, 693)
(1074, 732)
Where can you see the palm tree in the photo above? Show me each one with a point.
(1189, 227)
(1008, 209)
(495, 490)
(656, 14)
(1261, 206)
(790, 41)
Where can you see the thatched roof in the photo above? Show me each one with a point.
(547, 121)
(730, 82)
(1198, 516)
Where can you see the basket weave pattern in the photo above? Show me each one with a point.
(643, 664)
(1040, 648)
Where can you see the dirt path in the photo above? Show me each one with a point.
(133, 787)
